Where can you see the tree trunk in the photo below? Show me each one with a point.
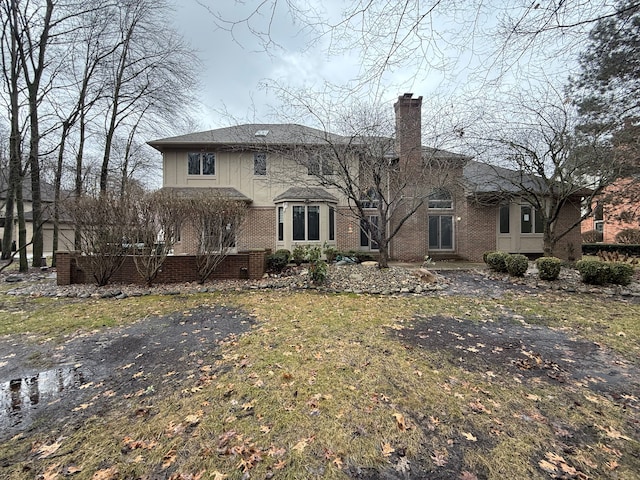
(22, 230)
(57, 184)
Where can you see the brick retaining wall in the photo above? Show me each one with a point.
(176, 269)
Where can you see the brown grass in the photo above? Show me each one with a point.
(322, 386)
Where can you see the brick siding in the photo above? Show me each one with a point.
(176, 269)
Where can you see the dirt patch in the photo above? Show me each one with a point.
(48, 385)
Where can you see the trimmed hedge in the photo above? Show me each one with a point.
(549, 268)
(620, 273)
(632, 250)
(517, 265)
(497, 261)
(595, 272)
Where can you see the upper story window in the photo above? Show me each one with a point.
(370, 198)
(201, 163)
(319, 165)
(441, 198)
(259, 163)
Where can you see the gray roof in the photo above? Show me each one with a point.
(308, 194)
(227, 192)
(483, 178)
(46, 189)
(252, 135)
(257, 135)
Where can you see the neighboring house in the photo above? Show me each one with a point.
(616, 209)
(463, 218)
(66, 231)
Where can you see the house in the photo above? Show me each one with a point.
(66, 230)
(615, 209)
(466, 213)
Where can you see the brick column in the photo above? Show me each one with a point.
(257, 259)
(63, 268)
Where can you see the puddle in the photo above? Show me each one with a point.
(20, 398)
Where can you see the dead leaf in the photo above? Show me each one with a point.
(195, 418)
(440, 458)
(547, 467)
(51, 473)
(106, 474)
(301, 445)
(169, 459)
(48, 450)
(466, 475)
(469, 436)
(338, 462)
(612, 465)
(218, 475)
(265, 429)
(401, 422)
(387, 449)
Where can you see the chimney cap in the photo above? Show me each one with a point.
(408, 95)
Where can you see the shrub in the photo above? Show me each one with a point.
(594, 272)
(278, 261)
(549, 268)
(497, 261)
(516, 265)
(486, 254)
(631, 250)
(592, 236)
(299, 254)
(620, 273)
(330, 252)
(317, 267)
(629, 236)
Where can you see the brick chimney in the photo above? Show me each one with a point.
(409, 129)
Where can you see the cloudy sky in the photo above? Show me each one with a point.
(459, 63)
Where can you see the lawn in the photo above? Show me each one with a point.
(348, 386)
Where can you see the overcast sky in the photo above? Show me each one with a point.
(233, 69)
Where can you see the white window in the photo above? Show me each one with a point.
(201, 163)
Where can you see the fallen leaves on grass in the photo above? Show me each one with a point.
(557, 467)
(44, 451)
(110, 473)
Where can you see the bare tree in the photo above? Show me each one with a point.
(216, 222)
(158, 219)
(105, 222)
(377, 164)
(544, 161)
(149, 78)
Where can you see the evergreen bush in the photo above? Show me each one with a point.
(497, 261)
(517, 265)
(620, 273)
(594, 272)
(277, 262)
(549, 268)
